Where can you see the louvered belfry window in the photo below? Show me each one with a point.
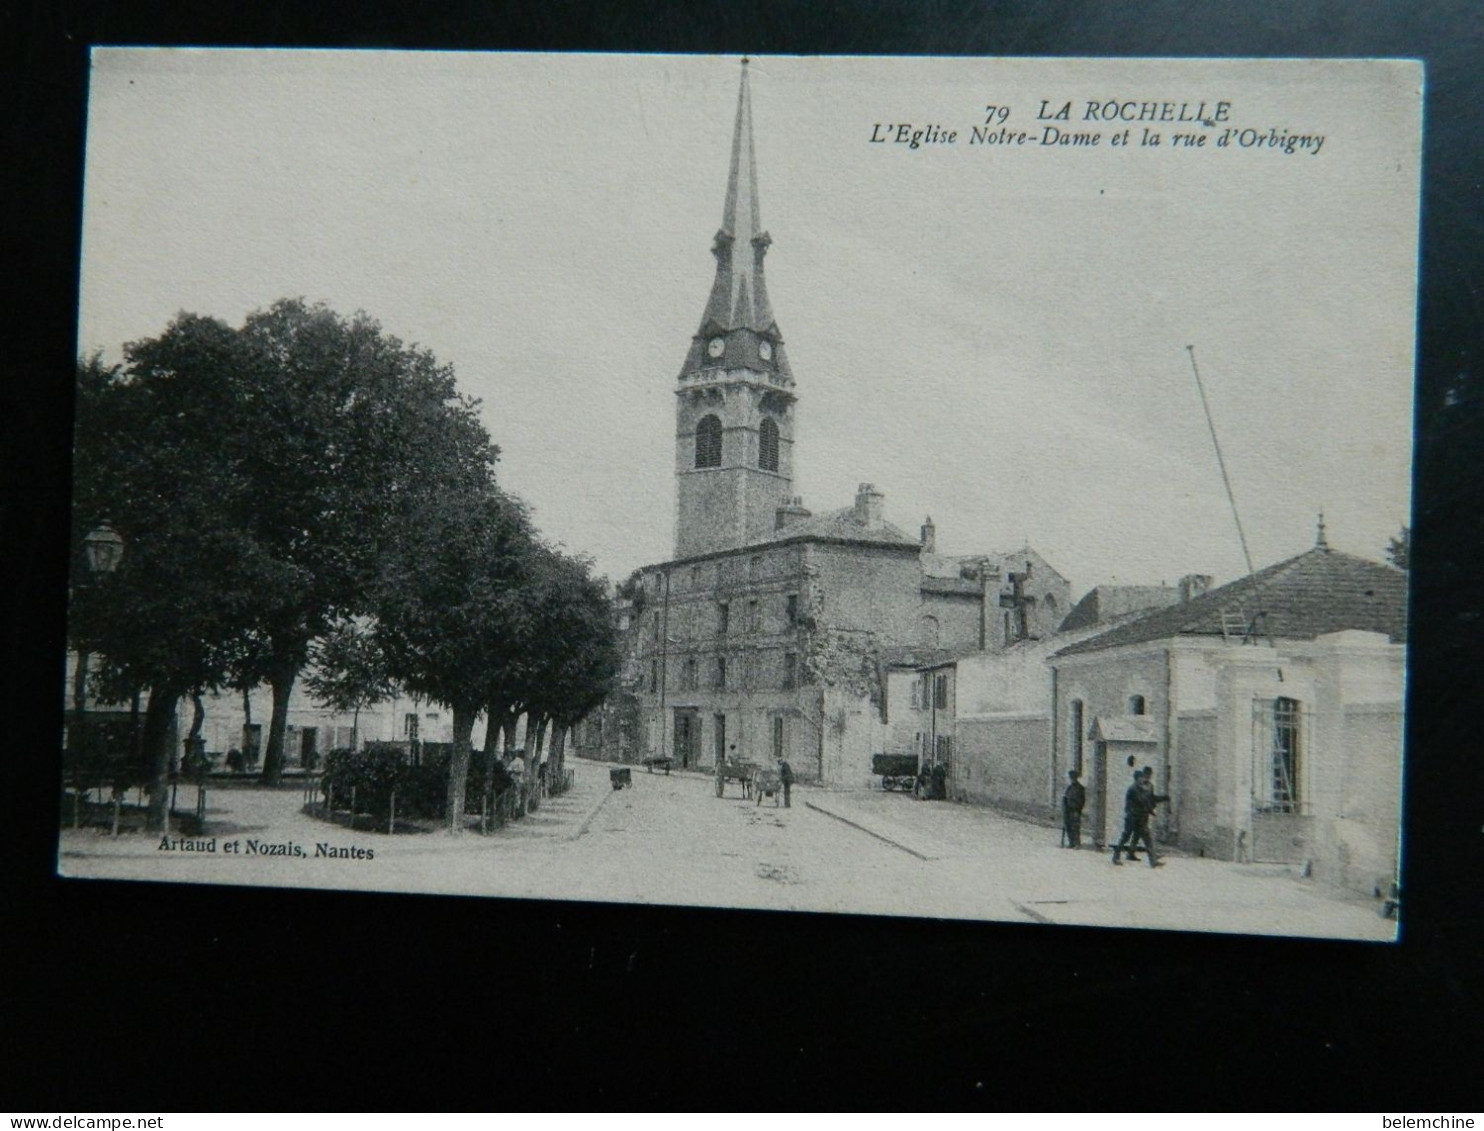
(708, 442)
(767, 445)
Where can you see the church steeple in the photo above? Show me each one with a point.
(734, 401)
(738, 328)
(739, 297)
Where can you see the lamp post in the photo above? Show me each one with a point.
(102, 550)
(104, 547)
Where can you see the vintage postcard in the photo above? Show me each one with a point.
(939, 487)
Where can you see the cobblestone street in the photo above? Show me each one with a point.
(670, 840)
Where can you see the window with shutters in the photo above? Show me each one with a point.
(767, 445)
(1281, 733)
(708, 441)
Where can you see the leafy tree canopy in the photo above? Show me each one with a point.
(1399, 549)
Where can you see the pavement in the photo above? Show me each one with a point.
(670, 840)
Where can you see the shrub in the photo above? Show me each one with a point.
(379, 769)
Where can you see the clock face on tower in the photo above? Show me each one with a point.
(715, 346)
(765, 348)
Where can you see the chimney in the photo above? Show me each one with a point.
(1193, 585)
(790, 510)
(868, 505)
(929, 536)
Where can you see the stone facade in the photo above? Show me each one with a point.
(764, 637)
(761, 647)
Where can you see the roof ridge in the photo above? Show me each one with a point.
(1300, 599)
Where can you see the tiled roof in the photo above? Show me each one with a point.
(1318, 592)
(943, 565)
(842, 524)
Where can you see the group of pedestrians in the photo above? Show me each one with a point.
(1139, 803)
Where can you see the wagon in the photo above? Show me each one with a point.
(739, 772)
(767, 783)
(620, 776)
(897, 771)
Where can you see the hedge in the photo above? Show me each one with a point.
(421, 788)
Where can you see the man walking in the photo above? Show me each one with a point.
(786, 776)
(1073, 800)
(1131, 803)
(1147, 799)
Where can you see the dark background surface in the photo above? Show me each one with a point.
(158, 997)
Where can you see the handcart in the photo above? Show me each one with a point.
(897, 771)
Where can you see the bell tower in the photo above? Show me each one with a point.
(734, 401)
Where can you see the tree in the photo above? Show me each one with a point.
(448, 606)
(339, 430)
(1399, 549)
(350, 671)
(258, 476)
(161, 620)
(569, 650)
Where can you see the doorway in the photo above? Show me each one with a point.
(687, 728)
(1100, 797)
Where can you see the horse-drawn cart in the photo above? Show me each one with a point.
(739, 772)
(897, 771)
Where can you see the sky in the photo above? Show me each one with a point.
(993, 335)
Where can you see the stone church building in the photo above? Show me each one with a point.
(763, 637)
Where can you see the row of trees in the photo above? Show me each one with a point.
(307, 488)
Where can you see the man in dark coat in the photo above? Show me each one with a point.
(1073, 801)
(786, 776)
(1145, 801)
(1131, 803)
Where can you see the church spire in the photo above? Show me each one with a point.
(739, 297)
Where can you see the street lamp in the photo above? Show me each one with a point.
(103, 548)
